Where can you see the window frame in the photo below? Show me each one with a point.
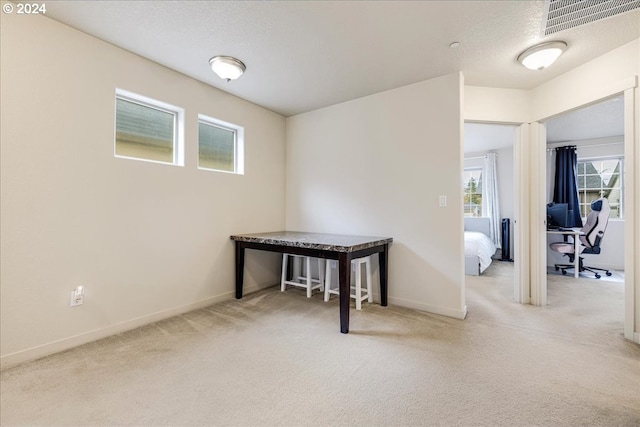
(619, 158)
(238, 143)
(464, 185)
(178, 125)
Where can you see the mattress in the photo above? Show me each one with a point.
(480, 245)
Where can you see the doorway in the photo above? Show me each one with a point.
(597, 132)
(480, 139)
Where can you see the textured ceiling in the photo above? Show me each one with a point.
(301, 56)
(481, 137)
(600, 120)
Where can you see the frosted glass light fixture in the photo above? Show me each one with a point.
(227, 67)
(542, 55)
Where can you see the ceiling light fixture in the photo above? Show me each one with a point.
(542, 55)
(227, 67)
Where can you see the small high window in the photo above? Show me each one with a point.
(220, 145)
(147, 129)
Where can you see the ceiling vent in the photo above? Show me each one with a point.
(564, 14)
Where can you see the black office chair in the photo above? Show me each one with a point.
(590, 241)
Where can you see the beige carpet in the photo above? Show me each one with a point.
(278, 359)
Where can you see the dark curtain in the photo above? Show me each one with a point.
(566, 185)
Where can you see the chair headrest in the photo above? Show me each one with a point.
(596, 205)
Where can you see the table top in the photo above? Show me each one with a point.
(329, 242)
(564, 231)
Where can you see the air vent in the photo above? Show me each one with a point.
(564, 14)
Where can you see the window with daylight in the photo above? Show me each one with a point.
(600, 178)
(147, 129)
(220, 145)
(472, 192)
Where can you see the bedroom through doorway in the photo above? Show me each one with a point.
(489, 200)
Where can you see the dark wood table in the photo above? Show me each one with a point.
(342, 248)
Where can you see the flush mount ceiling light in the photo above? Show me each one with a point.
(542, 55)
(227, 67)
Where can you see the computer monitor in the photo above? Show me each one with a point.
(557, 215)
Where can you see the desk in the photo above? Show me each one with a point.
(576, 243)
(340, 247)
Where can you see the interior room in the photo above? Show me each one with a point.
(597, 132)
(145, 145)
(480, 139)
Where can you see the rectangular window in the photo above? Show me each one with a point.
(147, 129)
(220, 145)
(472, 181)
(600, 178)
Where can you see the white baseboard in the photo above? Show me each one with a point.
(636, 337)
(13, 359)
(457, 314)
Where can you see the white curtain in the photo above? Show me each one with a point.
(490, 206)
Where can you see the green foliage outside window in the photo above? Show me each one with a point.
(473, 192)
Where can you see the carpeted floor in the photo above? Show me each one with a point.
(274, 359)
(616, 276)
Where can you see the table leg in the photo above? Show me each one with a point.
(239, 268)
(576, 260)
(383, 260)
(344, 274)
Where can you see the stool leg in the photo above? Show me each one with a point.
(283, 286)
(297, 267)
(327, 281)
(358, 289)
(321, 263)
(308, 262)
(369, 285)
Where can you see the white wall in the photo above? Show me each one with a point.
(146, 240)
(376, 166)
(600, 78)
(490, 104)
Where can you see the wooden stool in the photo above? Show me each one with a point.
(356, 288)
(302, 281)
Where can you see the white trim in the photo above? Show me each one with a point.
(457, 314)
(538, 236)
(631, 226)
(47, 349)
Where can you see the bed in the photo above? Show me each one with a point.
(478, 246)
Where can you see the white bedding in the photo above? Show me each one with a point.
(480, 245)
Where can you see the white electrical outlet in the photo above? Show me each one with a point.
(443, 201)
(77, 296)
